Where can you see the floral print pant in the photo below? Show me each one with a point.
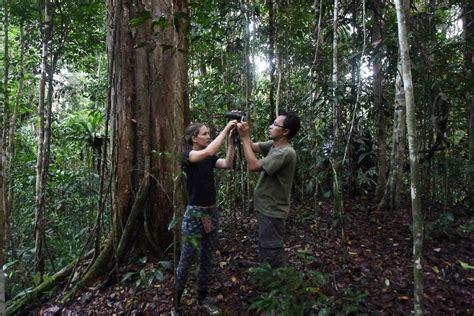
(196, 244)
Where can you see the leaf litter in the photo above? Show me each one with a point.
(372, 254)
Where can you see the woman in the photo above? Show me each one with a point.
(201, 218)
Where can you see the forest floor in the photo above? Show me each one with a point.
(369, 270)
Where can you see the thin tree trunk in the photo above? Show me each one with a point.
(391, 199)
(468, 26)
(313, 74)
(417, 223)
(280, 70)
(381, 120)
(41, 153)
(399, 141)
(429, 171)
(3, 133)
(337, 117)
(246, 194)
(247, 56)
(317, 37)
(10, 147)
(351, 166)
(105, 152)
(271, 54)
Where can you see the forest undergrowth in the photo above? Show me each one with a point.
(365, 268)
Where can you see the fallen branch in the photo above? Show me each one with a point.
(22, 301)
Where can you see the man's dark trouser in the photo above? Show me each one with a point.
(271, 231)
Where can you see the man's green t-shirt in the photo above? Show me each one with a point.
(273, 190)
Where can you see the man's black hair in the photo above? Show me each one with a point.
(291, 122)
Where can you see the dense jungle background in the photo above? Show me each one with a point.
(96, 95)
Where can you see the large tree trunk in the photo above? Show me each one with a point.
(417, 223)
(468, 25)
(381, 119)
(149, 103)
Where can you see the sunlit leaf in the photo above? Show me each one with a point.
(465, 265)
(9, 264)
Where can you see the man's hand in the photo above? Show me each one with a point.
(244, 129)
(253, 164)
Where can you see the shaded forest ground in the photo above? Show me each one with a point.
(373, 258)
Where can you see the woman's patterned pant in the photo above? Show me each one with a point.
(196, 242)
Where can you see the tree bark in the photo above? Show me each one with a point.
(381, 119)
(3, 133)
(337, 121)
(355, 79)
(41, 151)
(391, 199)
(248, 56)
(399, 141)
(468, 26)
(417, 223)
(247, 95)
(10, 146)
(149, 104)
(271, 54)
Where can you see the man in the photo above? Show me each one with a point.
(273, 190)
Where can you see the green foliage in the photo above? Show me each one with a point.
(313, 170)
(350, 302)
(219, 56)
(305, 256)
(149, 274)
(366, 178)
(287, 291)
(467, 229)
(72, 190)
(84, 126)
(441, 225)
(10, 269)
(465, 266)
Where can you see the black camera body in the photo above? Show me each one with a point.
(235, 115)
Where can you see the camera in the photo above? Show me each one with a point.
(235, 115)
